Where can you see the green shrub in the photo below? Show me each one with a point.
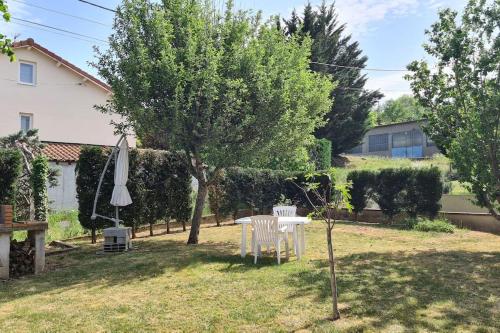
(39, 178)
(88, 170)
(427, 225)
(363, 182)
(321, 154)
(390, 190)
(425, 188)
(10, 171)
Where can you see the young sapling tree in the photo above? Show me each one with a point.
(327, 203)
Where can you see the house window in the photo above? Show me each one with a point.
(26, 122)
(379, 142)
(27, 73)
(399, 140)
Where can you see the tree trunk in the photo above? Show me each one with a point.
(93, 236)
(168, 226)
(183, 225)
(198, 212)
(133, 231)
(217, 219)
(151, 233)
(333, 279)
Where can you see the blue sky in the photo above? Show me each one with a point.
(390, 32)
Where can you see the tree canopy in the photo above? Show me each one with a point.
(347, 120)
(6, 43)
(404, 108)
(463, 92)
(224, 88)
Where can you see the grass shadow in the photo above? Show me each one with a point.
(148, 260)
(430, 291)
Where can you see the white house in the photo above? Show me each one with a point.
(44, 91)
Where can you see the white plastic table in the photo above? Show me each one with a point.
(298, 223)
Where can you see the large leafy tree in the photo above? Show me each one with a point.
(404, 108)
(6, 43)
(463, 92)
(347, 120)
(224, 88)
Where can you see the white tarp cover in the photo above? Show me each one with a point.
(120, 196)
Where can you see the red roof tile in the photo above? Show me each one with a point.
(62, 152)
(30, 42)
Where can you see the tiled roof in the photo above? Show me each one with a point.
(31, 43)
(62, 152)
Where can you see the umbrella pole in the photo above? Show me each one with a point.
(117, 221)
(101, 178)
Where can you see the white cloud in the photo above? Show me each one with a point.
(361, 14)
(392, 85)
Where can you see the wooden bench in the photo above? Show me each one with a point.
(36, 233)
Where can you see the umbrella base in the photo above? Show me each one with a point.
(117, 239)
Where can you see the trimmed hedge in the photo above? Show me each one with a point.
(159, 185)
(362, 184)
(39, 178)
(258, 190)
(321, 154)
(10, 171)
(390, 190)
(415, 192)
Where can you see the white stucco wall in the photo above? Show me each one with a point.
(63, 196)
(62, 102)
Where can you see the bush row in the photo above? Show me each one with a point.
(412, 191)
(257, 189)
(10, 171)
(159, 185)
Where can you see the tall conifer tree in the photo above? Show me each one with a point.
(347, 120)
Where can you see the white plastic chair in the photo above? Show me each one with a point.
(290, 229)
(266, 231)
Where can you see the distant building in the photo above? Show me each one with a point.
(399, 140)
(44, 91)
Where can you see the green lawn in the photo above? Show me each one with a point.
(389, 281)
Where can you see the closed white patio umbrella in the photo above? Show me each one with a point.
(121, 196)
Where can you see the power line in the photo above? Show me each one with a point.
(59, 29)
(62, 13)
(360, 68)
(98, 6)
(55, 32)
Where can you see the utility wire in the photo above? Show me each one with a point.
(59, 29)
(98, 6)
(361, 68)
(62, 13)
(55, 32)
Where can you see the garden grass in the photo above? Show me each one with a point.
(390, 280)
